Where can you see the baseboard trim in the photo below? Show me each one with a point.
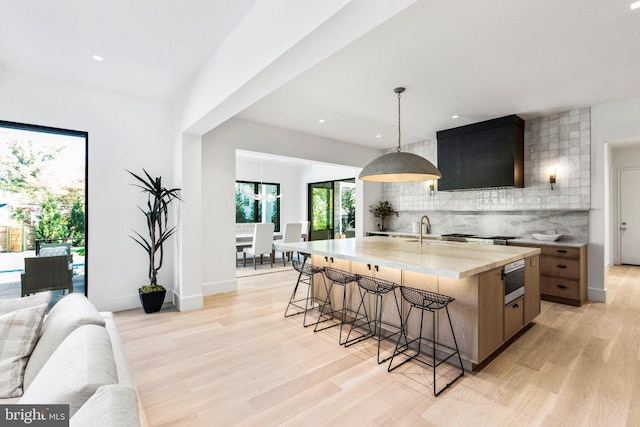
(193, 302)
(220, 287)
(597, 295)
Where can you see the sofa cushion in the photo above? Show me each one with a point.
(111, 405)
(54, 251)
(81, 363)
(71, 312)
(19, 331)
(13, 304)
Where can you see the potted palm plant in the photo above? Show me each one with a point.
(156, 213)
(382, 210)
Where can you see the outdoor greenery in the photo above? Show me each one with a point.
(20, 172)
(322, 203)
(156, 213)
(23, 172)
(51, 224)
(349, 205)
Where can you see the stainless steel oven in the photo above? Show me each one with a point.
(513, 275)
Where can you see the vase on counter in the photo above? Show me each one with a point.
(381, 227)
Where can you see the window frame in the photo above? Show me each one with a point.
(256, 203)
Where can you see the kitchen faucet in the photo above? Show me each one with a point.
(428, 226)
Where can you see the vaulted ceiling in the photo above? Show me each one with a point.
(476, 60)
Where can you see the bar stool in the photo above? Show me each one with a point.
(306, 272)
(340, 278)
(378, 288)
(432, 302)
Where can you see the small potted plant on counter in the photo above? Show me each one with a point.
(382, 210)
(156, 213)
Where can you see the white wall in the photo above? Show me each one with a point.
(218, 183)
(625, 157)
(124, 133)
(609, 123)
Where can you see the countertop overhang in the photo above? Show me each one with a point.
(440, 258)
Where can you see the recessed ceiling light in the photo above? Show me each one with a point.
(455, 116)
(321, 120)
(97, 57)
(378, 136)
(634, 5)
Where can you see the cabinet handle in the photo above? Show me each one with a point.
(332, 260)
(369, 266)
(562, 251)
(561, 286)
(326, 259)
(376, 267)
(561, 266)
(515, 306)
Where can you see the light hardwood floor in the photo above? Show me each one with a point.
(237, 361)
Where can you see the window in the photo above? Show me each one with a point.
(43, 193)
(258, 202)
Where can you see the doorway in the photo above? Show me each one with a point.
(629, 217)
(331, 207)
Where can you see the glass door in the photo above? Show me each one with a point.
(332, 209)
(321, 210)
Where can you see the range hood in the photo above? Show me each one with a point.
(482, 155)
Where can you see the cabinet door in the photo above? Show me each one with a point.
(531, 288)
(490, 311)
(513, 317)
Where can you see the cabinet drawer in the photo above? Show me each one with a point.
(513, 317)
(560, 267)
(560, 287)
(560, 251)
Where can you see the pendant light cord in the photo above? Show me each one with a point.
(399, 90)
(398, 123)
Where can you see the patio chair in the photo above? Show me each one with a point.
(46, 273)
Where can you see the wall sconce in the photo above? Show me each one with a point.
(552, 176)
(432, 188)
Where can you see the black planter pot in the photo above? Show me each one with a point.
(152, 301)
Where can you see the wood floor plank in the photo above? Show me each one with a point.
(238, 361)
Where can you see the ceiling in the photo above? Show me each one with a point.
(150, 48)
(477, 60)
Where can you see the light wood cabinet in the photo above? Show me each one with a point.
(490, 312)
(563, 273)
(513, 317)
(531, 288)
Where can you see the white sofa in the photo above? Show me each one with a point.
(78, 360)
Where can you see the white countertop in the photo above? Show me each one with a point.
(440, 258)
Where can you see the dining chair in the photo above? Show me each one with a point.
(262, 244)
(305, 230)
(292, 232)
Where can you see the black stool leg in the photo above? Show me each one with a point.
(350, 341)
(324, 316)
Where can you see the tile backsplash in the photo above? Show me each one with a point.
(561, 140)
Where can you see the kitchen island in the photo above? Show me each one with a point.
(472, 274)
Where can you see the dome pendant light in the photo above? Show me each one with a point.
(399, 166)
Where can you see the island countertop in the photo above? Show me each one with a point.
(447, 259)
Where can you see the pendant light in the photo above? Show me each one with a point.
(399, 166)
(269, 197)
